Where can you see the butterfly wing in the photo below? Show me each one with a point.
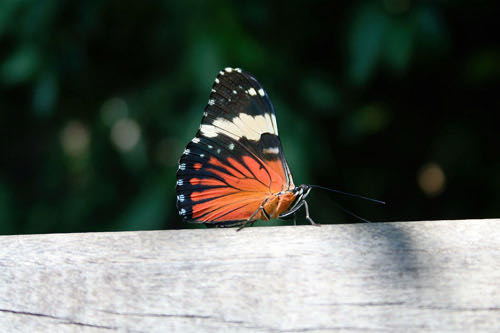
(235, 161)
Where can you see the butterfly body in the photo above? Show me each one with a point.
(234, 171)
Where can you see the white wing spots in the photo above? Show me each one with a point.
(259, 124)
(244, 125)
(275, 125)
(217, 81)
(180, 182)
(205, 114)
(232, 128)
(210, 147)
(220, 126)
(231, 146)
(235, 92)
(261, 92)
(272, 150)
(202, 155)
(228, 69)
(238, 70)
(269, 123)
(209, 131)
(251, 92)
(211, 101)
(195, 140)
(218, 150)
(182, 166)
(186, 151)
(213, 90)
(182, 211)
(180, 198)
(221, 72)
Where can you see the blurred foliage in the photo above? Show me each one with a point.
(392, 99)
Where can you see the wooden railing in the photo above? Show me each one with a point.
(408, 276)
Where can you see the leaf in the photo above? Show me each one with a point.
(399, 44)
(21, 66)
(45, 95)
(320, 94)
(149, 209)
(366, 41)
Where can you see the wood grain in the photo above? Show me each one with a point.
(411, 276)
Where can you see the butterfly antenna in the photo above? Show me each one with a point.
(351, 213)
(350, 195)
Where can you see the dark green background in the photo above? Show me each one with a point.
(366, 95)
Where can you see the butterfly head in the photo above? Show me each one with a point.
(300, 193)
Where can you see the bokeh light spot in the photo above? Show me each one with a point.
(113, 110)
(432, 179)
(75, 138)
(125, 134)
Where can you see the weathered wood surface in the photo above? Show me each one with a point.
(414, 276)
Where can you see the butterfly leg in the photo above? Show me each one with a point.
(252, 216)
(244, 225)
(308, 217)
(249, 221)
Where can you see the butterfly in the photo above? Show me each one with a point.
(234, 171)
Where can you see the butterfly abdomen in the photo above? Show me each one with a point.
(276, 205)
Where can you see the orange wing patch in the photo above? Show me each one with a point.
(239, 190)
